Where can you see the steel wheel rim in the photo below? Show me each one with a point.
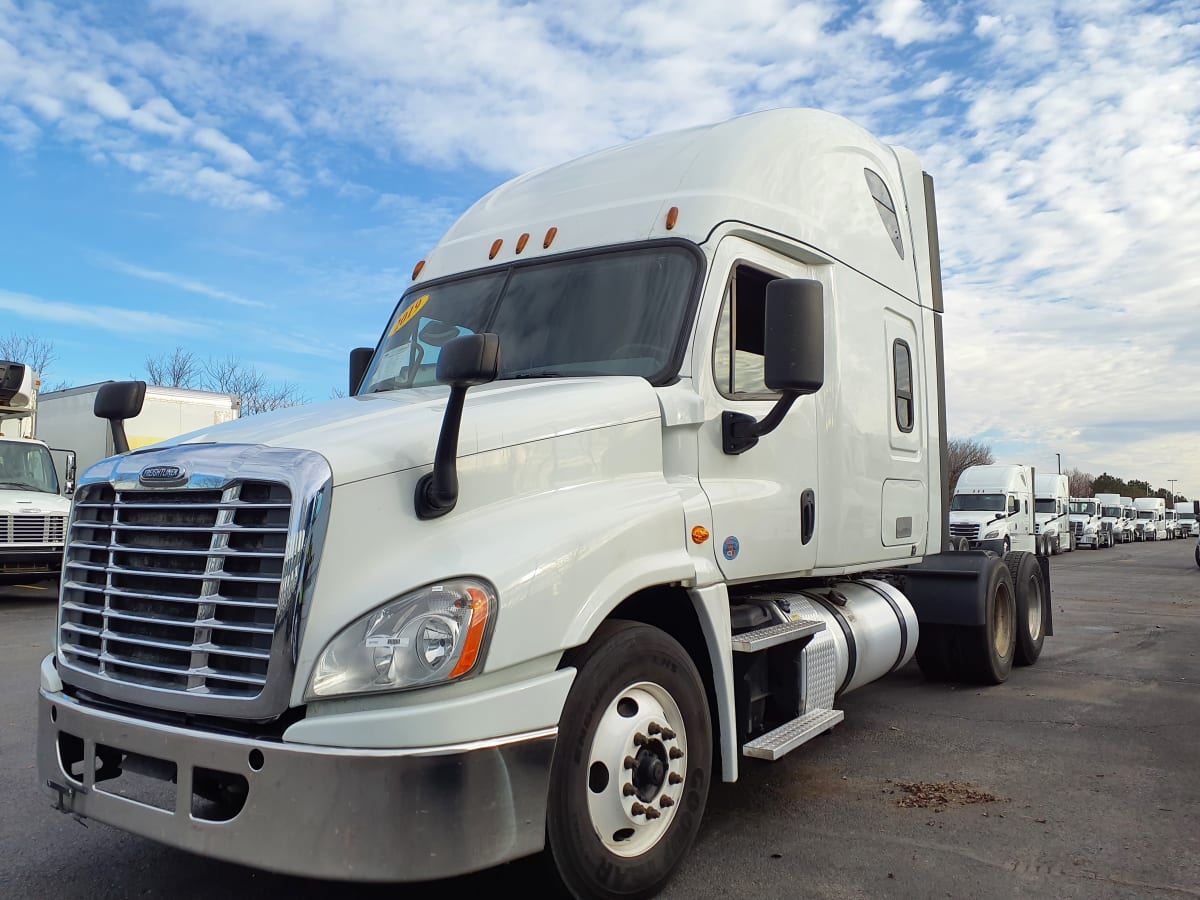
(636, 768)
(1002, 621)
(1035, 607)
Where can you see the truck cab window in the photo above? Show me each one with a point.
(738, 349)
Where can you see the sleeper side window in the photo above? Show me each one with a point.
(902, 370)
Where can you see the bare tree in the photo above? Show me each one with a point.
(964, 453)
(1080, 483)
(37, 353)
(180, 369)
(232, 376)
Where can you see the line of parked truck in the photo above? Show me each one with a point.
(1012, 507)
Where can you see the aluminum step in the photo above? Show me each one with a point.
(791, 735)
(762, 638)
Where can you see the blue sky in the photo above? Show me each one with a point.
(257, 178)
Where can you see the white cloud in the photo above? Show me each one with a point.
(185, 284)
(908, 21)
(112, 319)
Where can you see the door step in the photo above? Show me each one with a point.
(789, 736)
(762, 638)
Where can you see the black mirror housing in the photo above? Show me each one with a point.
(360, 358)
(119, 400)
(794, 343)
(469, 360)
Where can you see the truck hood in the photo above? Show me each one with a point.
(376, 434)
(975, 517)
(32, 503)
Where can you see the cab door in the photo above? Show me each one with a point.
(765, 501)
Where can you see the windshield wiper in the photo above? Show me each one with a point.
(20, 486)
(520, 375)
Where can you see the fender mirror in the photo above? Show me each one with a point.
(118, 401)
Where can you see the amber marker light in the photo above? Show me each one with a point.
(479, 617)
(417, 269)
(550, 235)
(522, 241)
(496, 245)
(699, 534)
(672, 217)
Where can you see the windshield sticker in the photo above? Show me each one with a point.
(731, 547)
(406, 316)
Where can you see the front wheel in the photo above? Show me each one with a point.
(631, 768)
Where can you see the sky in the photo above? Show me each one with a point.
(257, 178)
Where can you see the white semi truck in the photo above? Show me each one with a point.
(66, 418)
(1151, 518)
(1088, 525)
(34, 500)
(647, 469)
(1052, 511)
(993, 509)
(1113, 519)
(1188, 519)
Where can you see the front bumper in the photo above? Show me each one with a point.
(31, 560)
(322, 812)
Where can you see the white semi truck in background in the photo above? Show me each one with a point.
(647, 469)
(1113, 518)
(1089, 527)
(1151, 518)
(33, 497)
(1188, 518)
(66, 418)
(993, 509)
(1052, 511)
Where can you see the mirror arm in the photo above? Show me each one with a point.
(740, 431)
(437, 491)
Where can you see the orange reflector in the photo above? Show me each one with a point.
(479, 617)
(672, 217)
(522, 241)
(550, 235)
(417, 269)
(495, 248)
(699, 534)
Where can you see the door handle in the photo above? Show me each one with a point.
(808, 515)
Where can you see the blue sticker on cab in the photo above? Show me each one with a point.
(731, 547)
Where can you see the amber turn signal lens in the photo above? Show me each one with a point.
(699, 534)
(672, 217)
(417, 269)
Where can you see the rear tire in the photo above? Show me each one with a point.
(631, 768)
(1032, 607)
(985, 652)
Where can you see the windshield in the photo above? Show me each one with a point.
(1187, 517)
(621, 312)
(27, 467)
(1145, 514)
(984, 502)
(1081, 508)
(1110, 512)
(1044, 506)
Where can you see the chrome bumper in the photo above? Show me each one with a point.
(363, 815)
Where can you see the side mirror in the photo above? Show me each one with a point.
(793, 358)
(69, 474)
(463, 362)
(360, 358)
(118, 401)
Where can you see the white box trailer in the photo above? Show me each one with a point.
(66, 419)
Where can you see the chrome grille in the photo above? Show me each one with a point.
(176, 589)
(964, 529)
(1077, 529)
(32, 529)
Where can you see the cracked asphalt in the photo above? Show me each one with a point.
(1091, 756)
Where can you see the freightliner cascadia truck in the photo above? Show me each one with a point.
(646, 471)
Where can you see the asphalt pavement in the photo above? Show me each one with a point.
(1077, 778)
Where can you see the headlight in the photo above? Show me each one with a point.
(1089, 529)
(435, 634)
(994, 533)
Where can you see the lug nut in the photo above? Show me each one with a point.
(640, 739)
(652, 813)
(676, 753)
(654, 728)
(675, 778)
(668, 734)
(664, 801)
(628, 790)
(630, 762)
(638, 810)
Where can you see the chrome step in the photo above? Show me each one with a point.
(791, 735)
(762, 638)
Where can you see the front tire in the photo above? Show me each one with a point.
(1032, 607)
(631, 768)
